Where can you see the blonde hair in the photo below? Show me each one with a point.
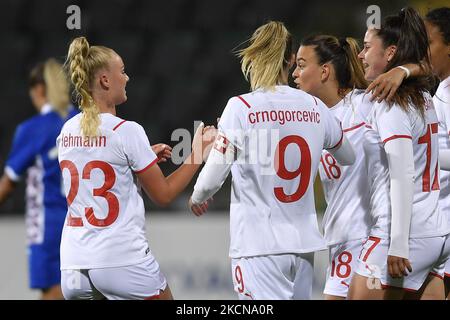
(57, 86)
(83, 61)
(51, 75)
(263, 61)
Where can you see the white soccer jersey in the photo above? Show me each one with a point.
(105, 221)
(442, 105)
(279, 136)
(384, 124)
(345, 188)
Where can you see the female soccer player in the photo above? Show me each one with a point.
(437, 23)
(401, 146)
(105, 161)
(329, 69)
(34, 151)
(271, 139)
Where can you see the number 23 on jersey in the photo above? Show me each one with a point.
(103, 191)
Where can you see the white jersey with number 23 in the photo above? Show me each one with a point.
(105, 223)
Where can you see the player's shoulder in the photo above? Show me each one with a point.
(122, 126)
(242, 100)
(360, 101)
(289, 93)
(359, 96)
(73, 121)
(303, 96)
(33, 125)
(444, 88)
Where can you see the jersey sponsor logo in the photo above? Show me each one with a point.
(75, 141)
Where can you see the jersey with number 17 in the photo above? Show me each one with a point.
(386, 123)
(105, 223)
(279, 136)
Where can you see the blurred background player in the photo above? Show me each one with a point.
(273, 223)
(437, 23)
(34, 151)
(329, 69)
(105, 160)
(401, 146)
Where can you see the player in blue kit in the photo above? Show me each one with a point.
(34, 151)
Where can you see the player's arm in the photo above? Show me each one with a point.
(163, 190)
(343, 152)
(21, 157)
(399, 154)
(7, 186)
(386, 84)
(335, 141)
(162, 151)
(213, 175)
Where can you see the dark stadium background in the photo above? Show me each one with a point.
(178, 55)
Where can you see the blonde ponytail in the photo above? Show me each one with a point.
(83, 62)
(263, 61)
(57, 86)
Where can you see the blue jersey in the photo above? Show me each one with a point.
(34, 150)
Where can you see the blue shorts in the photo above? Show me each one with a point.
(44, 265)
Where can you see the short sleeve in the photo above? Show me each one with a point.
(23, 153)
(392, 122)
(333, 131)
(137, 147)
(233, 122)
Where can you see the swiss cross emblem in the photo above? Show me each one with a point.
(221, 143)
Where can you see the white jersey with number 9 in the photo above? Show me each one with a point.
(280, 136)
(105, 221)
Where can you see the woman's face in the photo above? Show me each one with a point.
(374, 56)
(439, 51)
(38, 96)
(308, 73)
(115, 79)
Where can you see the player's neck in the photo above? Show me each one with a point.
(445, 74)
(330, 96)
(106, 108)
(283, 78)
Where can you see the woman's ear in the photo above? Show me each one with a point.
(292, 61)
(104, 81)
(391, 50)
(326, 70)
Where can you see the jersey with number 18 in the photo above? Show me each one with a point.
(345, 188)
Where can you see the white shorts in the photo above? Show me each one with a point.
(426, 255)
(137, 282)
(274, 277)
(342, 263)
